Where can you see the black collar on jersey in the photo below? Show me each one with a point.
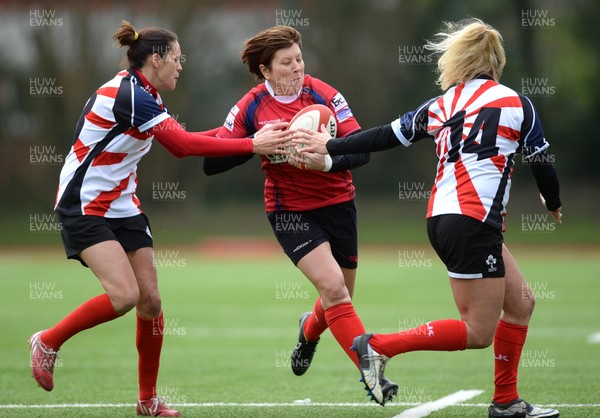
(142, 81)
(484, 76)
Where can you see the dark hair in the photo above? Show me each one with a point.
(147, 42)
(261, 48)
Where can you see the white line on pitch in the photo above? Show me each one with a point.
(429, 407)
(266, 405)
(594, 338)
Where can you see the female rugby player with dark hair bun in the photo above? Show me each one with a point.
(103, 225)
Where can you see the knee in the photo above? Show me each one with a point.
(528, 303)
(333, 291)
(520, 312)
(481, 340)
(150, 304)
(125, 300)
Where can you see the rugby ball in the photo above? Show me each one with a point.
(312, 117)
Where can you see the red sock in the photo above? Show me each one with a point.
(148, 340)
(508, 345)
(441, 335)
(94, 312)
(316, 324)
(345, 324)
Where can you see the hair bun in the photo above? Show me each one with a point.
(126, 34)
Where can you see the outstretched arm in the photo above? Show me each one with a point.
(181, 143)
(375, 139)
(217, 165)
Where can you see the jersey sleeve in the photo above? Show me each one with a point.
(325, 94)
(235, 123)
(137, 108)
(532, 140)
(413, 126)
(346, 122)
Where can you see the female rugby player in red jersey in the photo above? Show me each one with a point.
(478, 125)
(102, 223)
(310, 200)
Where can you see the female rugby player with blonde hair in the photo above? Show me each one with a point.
(477, 125)
(103, 225)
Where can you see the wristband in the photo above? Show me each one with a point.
(328, 163)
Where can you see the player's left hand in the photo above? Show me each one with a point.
(556, 214)
(310, 141)
(307, 161)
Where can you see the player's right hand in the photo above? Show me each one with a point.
(272, 139)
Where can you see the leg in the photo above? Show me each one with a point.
(325, 274)
(479, 302)
(149, 334)
(321, 268)
(150, 325)
(315, 324)
(511, 331)
(349, 279)
(108, 262)
(142, 263)
(519, 302)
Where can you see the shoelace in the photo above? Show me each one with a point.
(38, 344)
(156, 401)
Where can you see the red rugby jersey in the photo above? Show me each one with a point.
(286, 187)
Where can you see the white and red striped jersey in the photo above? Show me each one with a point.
(477, 127)
(99, 175)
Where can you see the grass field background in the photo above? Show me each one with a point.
(231, 323)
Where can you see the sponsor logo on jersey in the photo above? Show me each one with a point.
(230, 120)
(338, 102)
(340, 106)
(271, 121)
